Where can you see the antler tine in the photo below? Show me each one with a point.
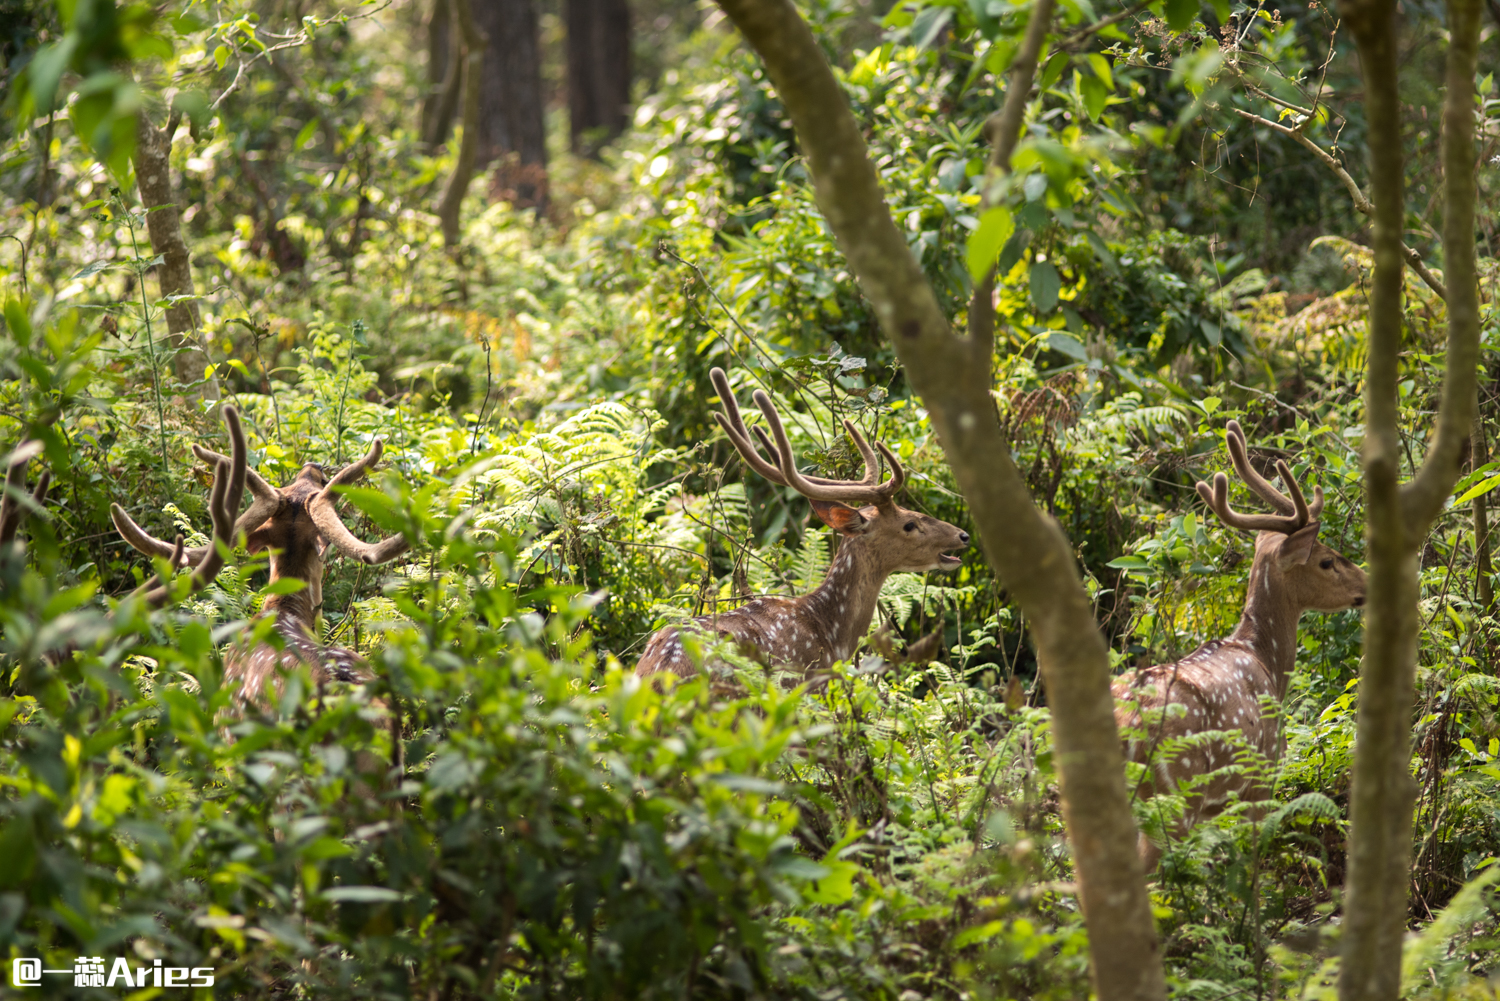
(1217, 498)
(324, 515)
(1235, 437)
(1299, 503)
(234, 471)
(266, 497)
(739, 436)
(221, 513)
(13, 510)
(859, 492)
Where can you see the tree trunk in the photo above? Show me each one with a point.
(174, 274)
(1398, 515)
(598, 72)
(463, 171)
(952, 374)
(1479, 455)
(512, 129)
(444, 74)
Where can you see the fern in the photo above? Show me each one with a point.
(810, 561)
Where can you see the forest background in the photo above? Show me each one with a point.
(520, 285)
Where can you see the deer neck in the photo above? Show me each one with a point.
(1269, 624)
(845, 602)
(300, 609)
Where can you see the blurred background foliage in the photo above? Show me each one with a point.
(539, 824)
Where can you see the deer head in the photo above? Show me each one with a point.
(1292, 561)
(897, 540)
(296, 524)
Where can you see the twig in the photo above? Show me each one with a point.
(1361, 203)
(1084, 33)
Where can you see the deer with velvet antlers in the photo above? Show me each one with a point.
(1228, 684)
(296, 524)
(876, 539)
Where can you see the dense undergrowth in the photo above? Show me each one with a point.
(507, 812)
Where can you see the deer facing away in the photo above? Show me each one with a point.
(296, 524)
(1221, 685)
(877, 538)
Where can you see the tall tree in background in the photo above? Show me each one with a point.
(512, 131)
(598, 72)
(444, 73)
(153, 178)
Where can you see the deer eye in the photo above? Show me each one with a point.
(1327, 564)
(911, 526)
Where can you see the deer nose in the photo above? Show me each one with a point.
(1359, 602)
(963, 537)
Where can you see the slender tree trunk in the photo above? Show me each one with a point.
(512, 128)
(598, 72)
(953, 375)
(284, 253)
(1479, 452)
(153, 176)
(444, 73)
(463, 170)
(1398, 515)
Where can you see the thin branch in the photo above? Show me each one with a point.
(1361, 203)
(1088, 31)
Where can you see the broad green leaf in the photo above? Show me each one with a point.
(1045, 284)
(1095, 96)
(929, 25)
(1180, 13)
(1054, 69)
(1069, 345)
(1101, 67)
(1478, 490)
(995, 227)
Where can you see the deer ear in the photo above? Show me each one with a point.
(1297, 547)
(841, 517)
(257, 540)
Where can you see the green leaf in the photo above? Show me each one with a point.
(1054, 70)
(1045, 284)
(929, 25)
(1095, 96)
(995, 227)
(978, 933)
(1069, 345)
(1478, 490)
(1101, 67)
(1128, 563)
(1180, 13)
(221, 55)
(305, 134)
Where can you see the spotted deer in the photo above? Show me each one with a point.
(1225, 684)
(876, 539)
(296, 524)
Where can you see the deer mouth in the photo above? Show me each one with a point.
(946, 562)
